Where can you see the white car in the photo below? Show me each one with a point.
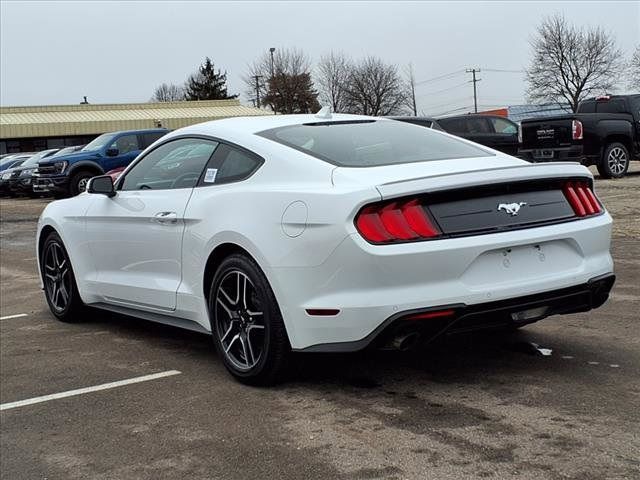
(321, 233)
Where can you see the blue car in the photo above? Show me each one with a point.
(67, 175)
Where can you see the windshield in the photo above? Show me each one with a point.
(33, 160)
(372, 143)
(65, 150)
(98, 143)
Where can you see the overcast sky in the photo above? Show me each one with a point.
(56, 52)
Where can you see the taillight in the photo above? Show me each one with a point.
(392, 222)
(576, 130)
(582, 199)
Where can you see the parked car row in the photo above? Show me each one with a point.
(65, 172)
(604, 132)
(18, 179)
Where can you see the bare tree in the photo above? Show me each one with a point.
(375, 88)
(571, 63)
(167, 92)
(634, 70)
(284, 85)
(332, 77)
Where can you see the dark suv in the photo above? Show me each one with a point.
(490, 130)
(66, 175)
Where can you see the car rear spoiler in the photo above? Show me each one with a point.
(486, 176)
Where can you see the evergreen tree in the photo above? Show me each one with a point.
(207, 84)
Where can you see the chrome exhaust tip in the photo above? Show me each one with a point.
(405, 341)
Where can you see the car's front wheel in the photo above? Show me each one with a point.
(60, 287)
(246, 322)
(78, 182)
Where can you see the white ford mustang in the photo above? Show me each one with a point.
(326, 233)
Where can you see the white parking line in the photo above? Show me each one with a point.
(18, 315)
(80, 391)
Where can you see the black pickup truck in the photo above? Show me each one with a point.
(604, 132)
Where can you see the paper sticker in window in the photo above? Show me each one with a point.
(210, 176)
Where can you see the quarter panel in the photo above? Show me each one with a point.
(250, 215)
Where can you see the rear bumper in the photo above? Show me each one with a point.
(369, 284)
(512, 312)
(574, 153)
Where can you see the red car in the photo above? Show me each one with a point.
(115, 173)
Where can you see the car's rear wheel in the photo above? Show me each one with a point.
(60, 287)
(246, 322)
(614, 162)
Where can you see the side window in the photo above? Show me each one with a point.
(454, 125)
(175, 164)
(147, 139)
(500, 125)
(126, 144)
(478, 125)
(230, 164)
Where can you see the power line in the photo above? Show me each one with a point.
(441, 77)
(443, 90)
(467, 107)
(499, 70)
(449, 103)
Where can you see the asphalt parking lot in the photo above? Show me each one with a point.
(477, 406)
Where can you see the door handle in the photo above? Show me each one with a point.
(166, 218)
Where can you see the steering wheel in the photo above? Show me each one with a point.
(193, 177)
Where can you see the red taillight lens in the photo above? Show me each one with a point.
(395, 223)
(576, 130)
(392, 222)
(582, 199)
(370, 226)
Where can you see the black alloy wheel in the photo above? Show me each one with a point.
(59, 282)
(246, 323)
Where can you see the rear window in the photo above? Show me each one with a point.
(372, 143)
(611, 106)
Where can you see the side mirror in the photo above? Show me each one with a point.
(102, 185)
(112, 152)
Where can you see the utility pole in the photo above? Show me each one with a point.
(412, 83)
(257, 79)
(475, 91)
(271, 50)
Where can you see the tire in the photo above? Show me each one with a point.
(246, 323)
(60, 287)
(614, 162)
(78, 182)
